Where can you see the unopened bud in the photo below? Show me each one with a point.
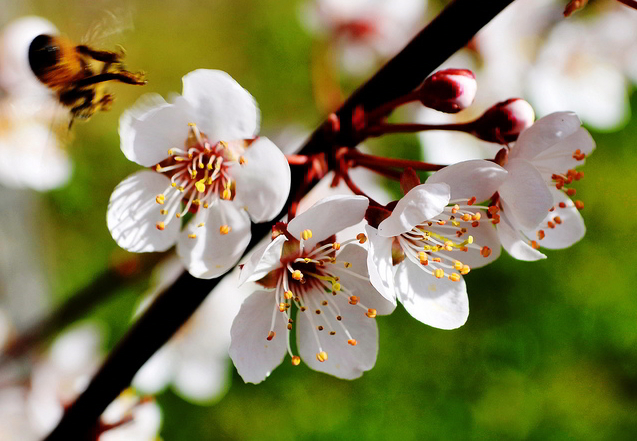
(503, 122)
(449, 90)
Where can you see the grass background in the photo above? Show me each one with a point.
(550, 348)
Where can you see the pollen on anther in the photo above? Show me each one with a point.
(457, 265)
(540, 234)
(271, 335)
(160, 199)
(226, 195)
(321, 356)
(347, 264)
(579, 205)
(439, 273)
(454, 277)
(288, 295)
(562, 205)
(465, 270)
(336, 246)
(371, 313)
(353, 300)
(306, 234)
(297, 275)
(160, 226)
(557, 219)
(471, 201)
(224, 229)
(243, 160)
(455, 208)
(163, 212)
(283, 307)
(296, 360)
(534, 244)
(485, 251)
(352, 342)
(335, 287)
(192, 236)
(361, 238)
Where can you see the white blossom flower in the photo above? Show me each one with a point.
(583, 67)
(364, 30)
(329, 289)
(535, 198)
(195, 360)
(204, 154)
(31, 152)
(532, 205)
(420, 252)
(56, 380)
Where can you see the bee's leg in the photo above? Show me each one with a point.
(104, 56)
(121, 76)
(84, 99)
(106, 102)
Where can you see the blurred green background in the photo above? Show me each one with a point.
(550, 348)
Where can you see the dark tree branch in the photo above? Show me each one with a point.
(445, 35)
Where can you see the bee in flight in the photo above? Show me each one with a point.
(77, 73)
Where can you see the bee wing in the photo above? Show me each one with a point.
(114, 22)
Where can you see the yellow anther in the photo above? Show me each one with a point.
(196, 202)
(158, 168)
(457, 265)
(439, 273)
(455, 223)
(201, 185)
(321, 356)
(193, 174)
(336, 246)
(307, 260)
(201, 224)
(477, 216)
(178, 215)
(436, 259)
(422, 256)
(170, 152)
(361, 238)
(223, 144)
(226, 194)
(163, 212)
(469, 240)
(485, 251)
(288, 295)
(243, 160)
(205, 205)
(306, 234)
(540, 234)
(455, 208)
(352, 342)
(297, 275)
(209, 181)
(336, 286)
(270, 336)
(160, 199)
(283, 306)
(173, 185)
(224, 229)
(296, 360)
(218, 162)
(454, 277)
(466, 217)
(200, 165)
(353, 300)
(371, 313)
(347, 264)
(160, 226)
(465, 270)
(192, 236)
(449, 245)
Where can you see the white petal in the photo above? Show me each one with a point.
(263, 182)
(379, 264)
(515, 244)
(525, 195)
(132, 214)
(202, 380)
(476, 178)
(328, 216)
(225, 110)
(344, 360)
(421, 203)
(369, 296)
(77, 349)
(559, 157)
(157, 372)
(569, 231)
(544, 133)
(440, 303)
(264, 259)
(211, 253)
(152, 127)
(253, 355)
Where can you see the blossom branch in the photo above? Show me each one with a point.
(451, 30)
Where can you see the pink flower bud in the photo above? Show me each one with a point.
(449, 90)
(504, 121)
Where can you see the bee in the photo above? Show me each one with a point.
(77, 73)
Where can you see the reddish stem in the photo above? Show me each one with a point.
(366, 160)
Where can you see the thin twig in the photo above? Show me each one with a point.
(445, 35)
